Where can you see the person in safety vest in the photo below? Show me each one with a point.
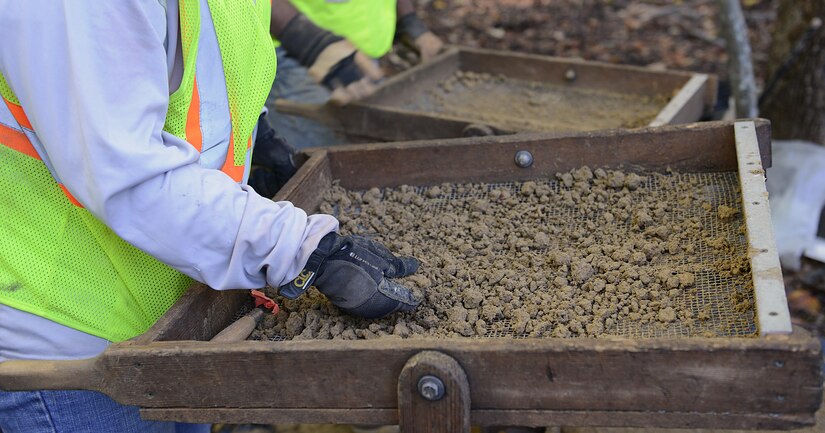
(125, 139)
(326, 51)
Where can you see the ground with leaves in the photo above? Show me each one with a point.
(673, 34)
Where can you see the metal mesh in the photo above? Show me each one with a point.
(726, 302)
(717, 296)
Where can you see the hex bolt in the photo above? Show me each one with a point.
(431, 388)
(524, 158)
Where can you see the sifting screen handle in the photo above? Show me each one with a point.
(26, 375)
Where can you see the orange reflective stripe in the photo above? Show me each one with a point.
(69, 195)
(19, 114)
(229, 167)
(193, 119)
(17, 140)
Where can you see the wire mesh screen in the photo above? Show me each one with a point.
(721, 303)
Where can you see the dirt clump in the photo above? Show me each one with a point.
(587, 254)
(726, 212)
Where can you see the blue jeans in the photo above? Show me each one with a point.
(78, 412)
(294, 83)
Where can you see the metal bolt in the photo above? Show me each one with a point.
(431, 388)
(524, 158)
(779, 364)
(570, 75)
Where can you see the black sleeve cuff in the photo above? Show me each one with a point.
(304, 40)
(330, 243)
(411, 26)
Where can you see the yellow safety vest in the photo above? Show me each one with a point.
(70, 267)
(368, 24)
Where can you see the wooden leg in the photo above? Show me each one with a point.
(433, 395)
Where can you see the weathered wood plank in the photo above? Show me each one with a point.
(688, 105)
(779, 374)
(306, 189)
(26, 375)
(198, 315)
(588, 74)
(535, 418)
(707, 146)
(391, 124)
(773, 316)
(810, 426)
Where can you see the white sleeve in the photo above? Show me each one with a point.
(92, 78)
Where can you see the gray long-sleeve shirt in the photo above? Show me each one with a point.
(94, 78)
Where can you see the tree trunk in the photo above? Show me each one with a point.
(740, 65)
(794, 98)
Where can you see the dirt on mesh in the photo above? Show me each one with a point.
(520, 105)
(587, 254)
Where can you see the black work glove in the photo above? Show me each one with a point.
(272, 161)
(330, 60)
(411, 31)
(353, 272)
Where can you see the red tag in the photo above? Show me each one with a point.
(261, 299)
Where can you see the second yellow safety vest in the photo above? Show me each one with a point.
(368, 24)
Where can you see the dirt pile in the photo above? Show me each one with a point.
(590, 253)
(520, 105)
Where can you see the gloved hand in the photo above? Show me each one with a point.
(412, 31)
(272, 161)
(331, 60)
(353, 272)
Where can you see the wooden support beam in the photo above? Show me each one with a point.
(433, 395)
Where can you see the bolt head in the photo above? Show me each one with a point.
(431, 388)
(524, 158)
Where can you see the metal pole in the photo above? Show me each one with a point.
(740, 65)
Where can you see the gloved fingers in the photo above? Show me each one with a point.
(389, 298)
(341, 65)
(428, 45)
(341, 96)
(406, 266)
(397, 266)
(352, 92)
(369, 67)
(398, 292)
(331, 56)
